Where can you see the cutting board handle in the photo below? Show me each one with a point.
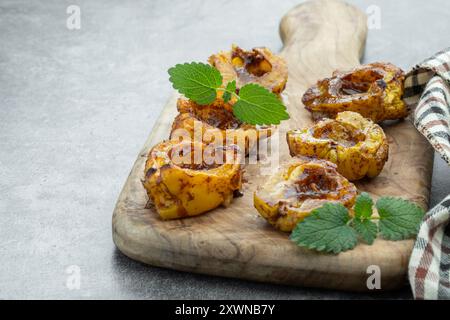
(334, 28)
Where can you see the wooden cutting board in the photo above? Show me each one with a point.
(318, 37)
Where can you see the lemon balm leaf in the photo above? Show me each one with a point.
(326, 229)
(366, 229)
(399, 219)
(197, 81)
(330, 228)
(257, 105)
(363, 206)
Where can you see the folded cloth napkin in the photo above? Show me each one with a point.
(427, 93)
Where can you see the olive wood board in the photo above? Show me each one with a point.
(318, 38)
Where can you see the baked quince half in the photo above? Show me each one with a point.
(374, 90)
(186, 179)
(357, 145)
(215, 123)
(302, 185)
(258, 65)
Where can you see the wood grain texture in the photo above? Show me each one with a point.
(318, 37)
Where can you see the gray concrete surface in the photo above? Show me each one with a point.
(77, 105)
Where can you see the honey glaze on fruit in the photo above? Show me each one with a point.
(299, 187)
(374, 90)
(258, 65)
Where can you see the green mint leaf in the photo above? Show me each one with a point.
(197, 81)
(231, 88)
(257, 105)
(363, 206)
(326, 229)
(399, 218)
(366, 229)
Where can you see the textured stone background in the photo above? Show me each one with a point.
(76, 107)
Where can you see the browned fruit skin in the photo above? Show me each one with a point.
(216, 121)
(258, 65)
(179, 187)
(302, 185)
(374, 90)
(357, 145)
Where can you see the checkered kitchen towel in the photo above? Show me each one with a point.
(427, 92)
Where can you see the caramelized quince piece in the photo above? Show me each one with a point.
(302, 185)
(356, 145)
(187, 179)
(374, 90)
(259, 66)
(215, 121)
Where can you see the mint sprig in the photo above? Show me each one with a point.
(363, 206)
(331, 228)
(399, 219)
(255, 104)
(366, 229)
(197, 81)
(326, 229)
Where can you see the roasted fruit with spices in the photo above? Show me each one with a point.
(258, 66)
(213, 122)
(355, 144)
(302, 185)
(374, 90)
(187, 179)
